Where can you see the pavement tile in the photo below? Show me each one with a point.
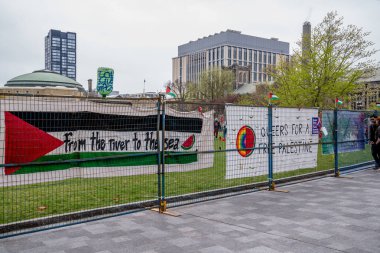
(215, 249)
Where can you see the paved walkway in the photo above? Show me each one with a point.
(325, 215)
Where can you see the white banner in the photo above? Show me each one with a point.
(295, 138)
(51, 129)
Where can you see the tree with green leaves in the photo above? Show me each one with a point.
(336, 57)
(214, 84)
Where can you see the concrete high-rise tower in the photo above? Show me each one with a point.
(61, 53)
(306, 38)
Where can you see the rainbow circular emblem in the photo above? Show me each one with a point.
(245, 139)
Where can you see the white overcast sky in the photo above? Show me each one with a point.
(139, 38)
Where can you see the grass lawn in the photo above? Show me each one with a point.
(43, 199)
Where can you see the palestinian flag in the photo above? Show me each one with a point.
(272, 96)
(377, 104)
(35, 136)
(338, 102)
(169, 92)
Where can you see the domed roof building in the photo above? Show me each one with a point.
(43, 82)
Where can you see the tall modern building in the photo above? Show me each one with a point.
(229, 49)
(306, 39)
(61, 53)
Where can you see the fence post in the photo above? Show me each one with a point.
(336, 161)
(158, 150)
(270, 142)
(163, 201)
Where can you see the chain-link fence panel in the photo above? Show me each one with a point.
(221, 144)
(71, 159)
(353, 146)
(296, 143)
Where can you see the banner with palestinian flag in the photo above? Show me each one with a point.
(36, 130)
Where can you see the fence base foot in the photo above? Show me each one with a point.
(170, 213)
(345, 177)
(272, 188)
(338, 175)
(162, 209)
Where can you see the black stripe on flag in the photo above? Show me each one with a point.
(75, 121)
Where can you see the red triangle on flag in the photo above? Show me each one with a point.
(25, 142)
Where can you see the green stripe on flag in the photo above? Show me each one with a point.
(141, 160)
(274, 97)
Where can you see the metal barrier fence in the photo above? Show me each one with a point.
(69, 160)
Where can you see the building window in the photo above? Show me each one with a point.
(255, 77)
(229, 52)
(71, 44)
(240, 55)
(265, 57)
(260, 56)
(222, 52)
(235, 53)
(255, 67)
(260, 77)
(255, 56)
(250, 55)
(269, 58)
(245, 54)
